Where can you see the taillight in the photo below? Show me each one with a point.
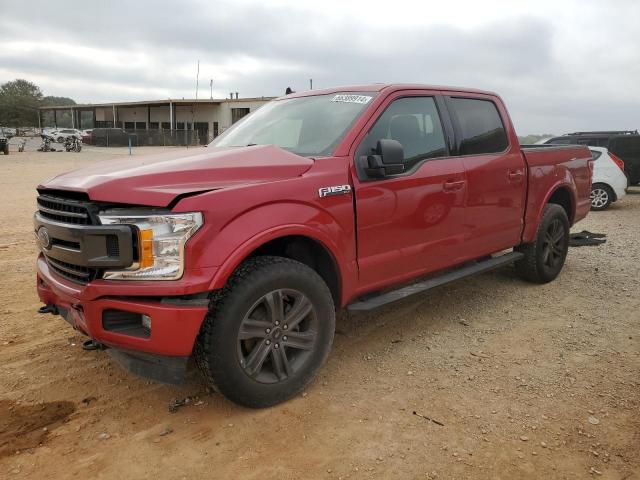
(619, 162)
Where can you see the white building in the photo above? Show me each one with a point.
(209, 117)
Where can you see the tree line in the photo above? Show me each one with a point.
(20, 100)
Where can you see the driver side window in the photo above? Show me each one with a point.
(415, 123)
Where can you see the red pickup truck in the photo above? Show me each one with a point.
(241, 253)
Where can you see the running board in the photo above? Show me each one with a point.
(448, 277)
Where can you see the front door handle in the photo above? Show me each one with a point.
(453, 185)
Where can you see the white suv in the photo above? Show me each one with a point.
(62, 134)
(609, 181)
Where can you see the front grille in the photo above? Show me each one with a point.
(64, 210)
(75, 212)
(113, 247)
(75, 273)
(76, 246)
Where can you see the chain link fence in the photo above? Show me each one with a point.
(117, 137)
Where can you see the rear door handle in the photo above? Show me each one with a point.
(515, 175)
(453, 185)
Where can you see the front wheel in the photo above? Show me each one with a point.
(601, 196)
(267, 332)
(544, 258)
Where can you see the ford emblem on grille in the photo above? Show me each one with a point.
(43, 238)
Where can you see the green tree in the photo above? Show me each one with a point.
(19, 102)
(50, 101)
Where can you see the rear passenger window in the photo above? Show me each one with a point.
(480, 126)
(594, 142)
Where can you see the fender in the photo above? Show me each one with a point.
(258, 226)
(533, 219)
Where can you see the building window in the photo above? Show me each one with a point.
(129, 125)
(238, 113)
(203, 132)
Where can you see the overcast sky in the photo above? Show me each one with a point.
(560, 65)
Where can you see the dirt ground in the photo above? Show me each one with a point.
(520, 380)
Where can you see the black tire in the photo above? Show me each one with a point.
(229, 356)
(601, 197)
(544, 258)
(60, 139)
(6, 150)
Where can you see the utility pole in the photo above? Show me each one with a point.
(211, 87)
(197, 79)
(311, 84)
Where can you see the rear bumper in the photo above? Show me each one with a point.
(174, 327)
(620, 187)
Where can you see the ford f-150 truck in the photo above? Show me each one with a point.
(241, 253)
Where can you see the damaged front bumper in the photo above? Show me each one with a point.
(150, 336)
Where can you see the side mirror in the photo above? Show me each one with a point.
(388, 159)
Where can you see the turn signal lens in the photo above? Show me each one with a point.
(146, 248)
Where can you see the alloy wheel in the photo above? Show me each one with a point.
(277, 336)
(599, 197)
(553, 244)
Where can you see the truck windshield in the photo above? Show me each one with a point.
(307, 126)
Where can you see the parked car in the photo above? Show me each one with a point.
(87, 136)
(61, 134)
(609, 182)
(28, 132)
(625, 144)
(112, 137)
(243, 252)
(4, 142)
(9, 132)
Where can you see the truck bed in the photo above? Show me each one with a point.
(550, 167)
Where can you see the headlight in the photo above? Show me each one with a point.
(161, 240)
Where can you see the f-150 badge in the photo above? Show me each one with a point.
(335, 190)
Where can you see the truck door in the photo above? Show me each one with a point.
(408, 223)
(496, 174)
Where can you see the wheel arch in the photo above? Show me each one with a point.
(560, 193)
(297, 243)
(563, 196)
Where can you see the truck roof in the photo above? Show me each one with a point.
(379, 87)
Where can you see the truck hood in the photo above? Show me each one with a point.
(156, 180)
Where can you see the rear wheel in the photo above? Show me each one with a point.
(60, 139)
(6, 149)
(267, 332)
(601, 196)
(544, 258)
